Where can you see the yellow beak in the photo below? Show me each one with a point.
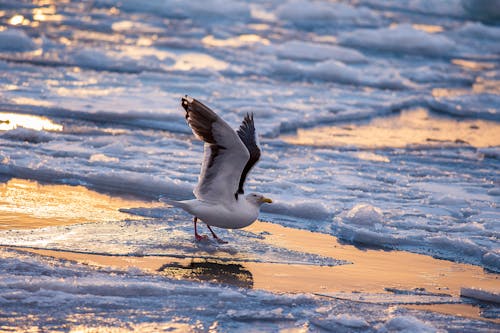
(266, 200)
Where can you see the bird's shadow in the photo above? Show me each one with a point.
(210, 271)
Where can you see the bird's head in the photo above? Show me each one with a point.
(257, 199)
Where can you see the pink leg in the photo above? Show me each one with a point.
(215, 236)
(196, 235)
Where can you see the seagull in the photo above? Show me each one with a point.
(228, 157)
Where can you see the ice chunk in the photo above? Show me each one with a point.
(365, 214)
(492, 260)
(181, 9)
(336, 71)
(13, 40)
(491, 152)
(456, 245)
(392, 298)
(27, 135)
(341, 323)
(304, 209)
(480, 294)
(99, 60)
(407, 324)
(301, 50)
(448, 200)
(487, 10)
(402, 38)
(483, 105)
(258, 315)
(447, 8)
(480, 31)
(307, 13)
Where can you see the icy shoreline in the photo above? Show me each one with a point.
(90, 97)
(100, 299)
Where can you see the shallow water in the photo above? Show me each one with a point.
(378, 120)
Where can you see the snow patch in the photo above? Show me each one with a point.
(14, 40)
(402, 38)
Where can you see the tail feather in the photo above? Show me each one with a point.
(173, 203)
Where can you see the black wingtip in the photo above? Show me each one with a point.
(186, 101)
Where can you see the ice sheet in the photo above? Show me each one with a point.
(171, 238)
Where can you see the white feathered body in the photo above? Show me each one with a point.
(239, 214)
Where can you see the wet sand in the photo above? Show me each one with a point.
(371, 271)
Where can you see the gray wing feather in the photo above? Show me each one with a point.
(246, 132)
(225, 154)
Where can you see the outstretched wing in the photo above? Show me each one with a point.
(225, 154)
(246, 132)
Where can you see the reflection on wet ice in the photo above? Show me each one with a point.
(9, 121)
(412, 127)
(210, 271)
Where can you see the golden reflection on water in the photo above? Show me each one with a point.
(9, 121)
(463, 310)
(32, 101)
(432, 29)
(46, 12)
(189, 61)
(371, 271)
(17, 20)
(473, 65)
(480, 86)
(413, 127)
(28, 204)
(238, 41)
(259, 26)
